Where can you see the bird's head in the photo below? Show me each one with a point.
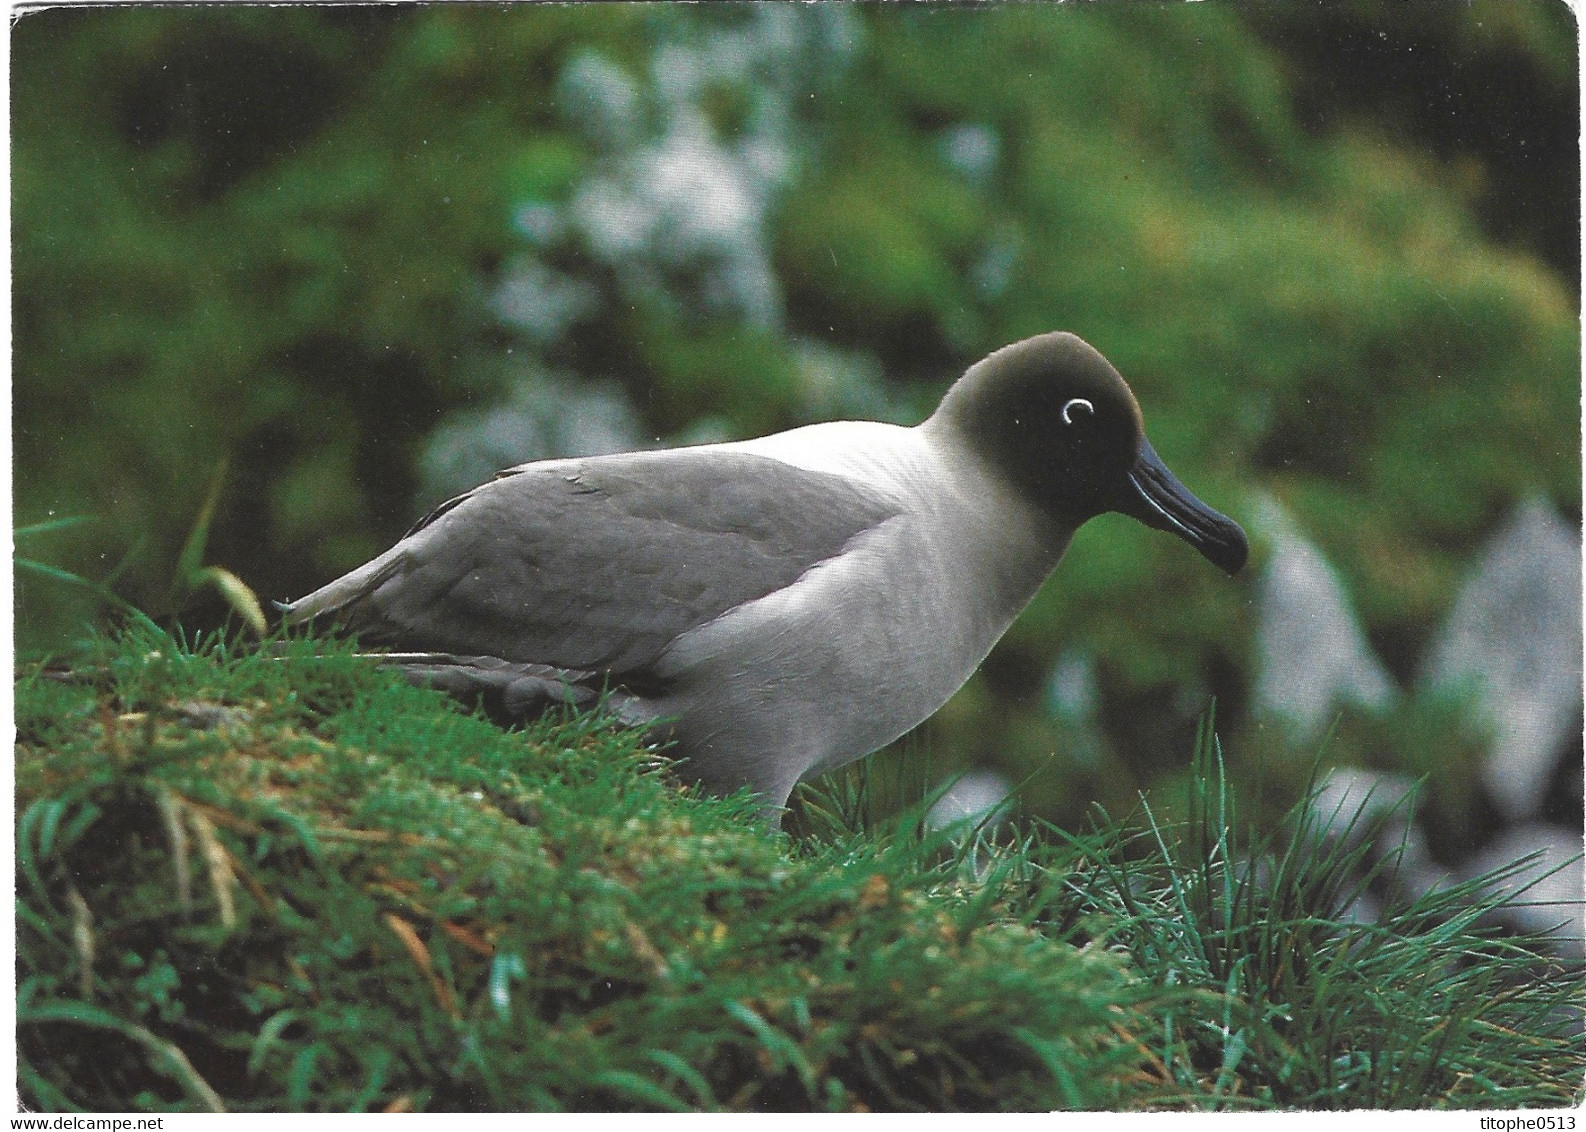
(1053, 416)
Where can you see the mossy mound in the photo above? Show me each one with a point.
(285, 879)
(297, 882)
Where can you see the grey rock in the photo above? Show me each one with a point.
(1513, 640)
(977, 796)
(1352, 804)
(1549, 892)
(1354, 807)
(1313, 656)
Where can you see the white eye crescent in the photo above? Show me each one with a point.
(1077, 405)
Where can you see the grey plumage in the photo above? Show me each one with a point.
(600, 564)
(787, 603)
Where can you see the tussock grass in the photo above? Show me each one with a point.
(288, 880)
(1427, 1006)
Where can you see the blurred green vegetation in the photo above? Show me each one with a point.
(275, 239)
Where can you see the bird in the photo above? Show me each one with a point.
(778, 607)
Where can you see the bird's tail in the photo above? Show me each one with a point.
(514, 692)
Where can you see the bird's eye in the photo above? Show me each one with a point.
(1077, 407)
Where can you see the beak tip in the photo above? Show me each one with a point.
(1233, 559)
(1156, 498)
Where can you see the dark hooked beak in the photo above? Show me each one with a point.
(1155, 497)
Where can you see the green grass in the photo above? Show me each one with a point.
(1423, 1008)
(288, 880)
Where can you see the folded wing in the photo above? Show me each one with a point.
(599, 564)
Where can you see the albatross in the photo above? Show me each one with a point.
(776, 607)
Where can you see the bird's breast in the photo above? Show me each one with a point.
(868, 643)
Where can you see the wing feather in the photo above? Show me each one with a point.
(599, 564)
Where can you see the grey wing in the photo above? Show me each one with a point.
(599, 564)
